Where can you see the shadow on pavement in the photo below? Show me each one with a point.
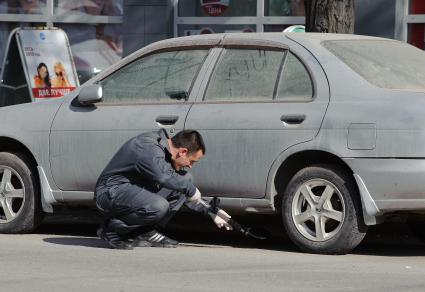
(77, 241)
(394, 239)
(79, 229)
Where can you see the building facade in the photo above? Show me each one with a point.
(101, 32)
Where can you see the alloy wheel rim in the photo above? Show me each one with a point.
(318, 210)
(12, 194)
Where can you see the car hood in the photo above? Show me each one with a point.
(35, 116)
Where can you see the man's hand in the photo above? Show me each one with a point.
(221, 219)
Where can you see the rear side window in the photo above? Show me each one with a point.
(295, 82)
(387, 64)
(245, 74)
(154, 78)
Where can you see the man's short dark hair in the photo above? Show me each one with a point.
(189, 139)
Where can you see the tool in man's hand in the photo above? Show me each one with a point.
(247, 231)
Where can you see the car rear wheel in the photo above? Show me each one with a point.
(322, 212)
(20, 206)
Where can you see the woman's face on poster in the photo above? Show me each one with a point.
(42, 72)
(58, 70)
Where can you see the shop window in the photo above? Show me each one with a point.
(416, 31)
(22, 6)
(275, 27)
(95, 47)
(415, 35)
(14, 89)
(284, 8)
(186, 30)
(245, 74)
(416, 7)
(5, 29)
(89, 7)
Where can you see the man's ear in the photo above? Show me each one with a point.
(183, 151)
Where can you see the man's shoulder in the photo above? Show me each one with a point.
(152, 136)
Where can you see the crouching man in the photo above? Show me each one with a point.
(145, 184)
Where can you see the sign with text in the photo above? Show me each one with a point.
(214, 7)
(48, 62)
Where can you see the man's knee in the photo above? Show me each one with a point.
(159, 208)
(103, 204)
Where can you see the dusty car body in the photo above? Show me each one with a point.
(324, 130)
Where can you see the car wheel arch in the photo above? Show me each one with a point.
(8, 144)
(291, 164)
(12, 145)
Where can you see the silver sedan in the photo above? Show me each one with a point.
(326, 131)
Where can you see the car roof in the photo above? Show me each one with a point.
(314, 40)
(330, 36)
(306, 39)
(271, 36)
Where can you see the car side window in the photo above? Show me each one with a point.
(295, 81)
(245, 74)
(161, 77)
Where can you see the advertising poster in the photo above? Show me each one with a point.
(48, 62)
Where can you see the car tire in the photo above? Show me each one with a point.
(337, 217)
(20, 205)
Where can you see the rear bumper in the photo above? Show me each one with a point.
(393, 184)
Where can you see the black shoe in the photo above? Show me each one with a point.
(113, 239)
(155, 239)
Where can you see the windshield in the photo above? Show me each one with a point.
(387, 64)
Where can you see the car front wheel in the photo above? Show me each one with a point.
(322, 212)
(20, 207)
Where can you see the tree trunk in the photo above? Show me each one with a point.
(335, 16)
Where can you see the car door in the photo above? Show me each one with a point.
(260, 99)
(141, 96)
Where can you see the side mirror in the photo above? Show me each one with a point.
(90, 94)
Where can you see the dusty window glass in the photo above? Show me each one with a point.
(245, 74)
(387, 64)
(158, 77)
(295, 82)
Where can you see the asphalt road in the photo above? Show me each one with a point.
(64, 255)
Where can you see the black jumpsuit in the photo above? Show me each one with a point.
(139, 188)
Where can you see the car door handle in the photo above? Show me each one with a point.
(166, 120)
(292, 120)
